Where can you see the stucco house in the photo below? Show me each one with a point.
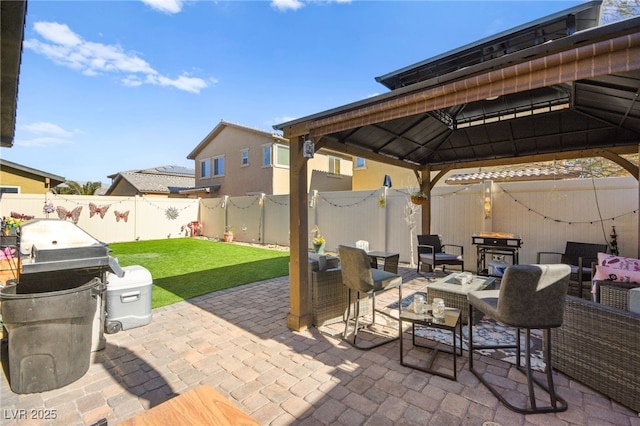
(18, 179)
(163, 181)
(238, 160)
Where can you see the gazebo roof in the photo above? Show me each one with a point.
(534, 33)
(551, 100)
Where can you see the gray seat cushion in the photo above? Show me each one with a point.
(383, 279)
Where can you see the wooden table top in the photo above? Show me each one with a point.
(198, 406)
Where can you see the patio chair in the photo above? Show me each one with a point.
(431, 251)
(359, 276)
(580, 257)
(530, 297)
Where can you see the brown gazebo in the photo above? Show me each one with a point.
(557, 88)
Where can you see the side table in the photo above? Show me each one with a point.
(451, 322)
(390, 260)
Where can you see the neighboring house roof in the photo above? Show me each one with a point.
(200, 189)
(13, 17)
(545, 173)
(221, 126)
(156, 180)
(54, 179)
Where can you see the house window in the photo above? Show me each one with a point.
(244, 157)
(334, 165)
(205, 168)
(218, 166)
(9, 189)
(361, 163)
(281, 155)
(266, 155)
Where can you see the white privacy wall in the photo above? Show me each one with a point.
(545, 214)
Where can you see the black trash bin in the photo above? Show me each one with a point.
(50, 335)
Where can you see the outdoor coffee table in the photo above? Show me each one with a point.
(451, 322)
(454, 294)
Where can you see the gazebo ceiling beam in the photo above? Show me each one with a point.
(331, 143)
(566, 155)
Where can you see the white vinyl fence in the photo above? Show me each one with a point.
(545, 214)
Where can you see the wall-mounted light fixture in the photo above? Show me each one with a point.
(487, 201)
(312, 199)
(308, 149)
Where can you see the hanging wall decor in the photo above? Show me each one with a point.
(73, 215)
(172, 213)
(122, 215)
(100, 210)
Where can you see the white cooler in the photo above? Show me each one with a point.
(128, 299)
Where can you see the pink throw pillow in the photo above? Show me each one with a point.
(617, 268)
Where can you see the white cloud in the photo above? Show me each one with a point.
(284, 5)
(57, 33)
(166, 6)
(189, 84)
(44, 128)
(42, 142)
(66, 48)
(44, 134)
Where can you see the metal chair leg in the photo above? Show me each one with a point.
(557, 404)
(356, 320)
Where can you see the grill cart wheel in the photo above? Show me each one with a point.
(113, 327)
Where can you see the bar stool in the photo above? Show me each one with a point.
(359, 276)
(530, 297)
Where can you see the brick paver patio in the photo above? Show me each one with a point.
(237, 341)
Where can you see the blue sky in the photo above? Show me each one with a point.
(108, 86)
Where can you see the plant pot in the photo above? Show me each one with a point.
(418, 199)
(228, 237)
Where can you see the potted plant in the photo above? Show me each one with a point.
(228, 235)
(418, 197)
(415, 194)
(318, 241)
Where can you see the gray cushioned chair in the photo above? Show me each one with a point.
(530, 297)
(432, 252)
(359, 276)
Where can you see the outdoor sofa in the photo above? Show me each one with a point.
(599, 345)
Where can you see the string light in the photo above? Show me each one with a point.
(255, 200)
(372, 194)
(276, 202)
(591, 222)
(88, 202)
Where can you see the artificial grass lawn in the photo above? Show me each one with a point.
(183, 268)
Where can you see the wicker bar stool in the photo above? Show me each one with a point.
(530, 297)
(359, 276)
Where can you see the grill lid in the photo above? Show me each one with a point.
(54, 244)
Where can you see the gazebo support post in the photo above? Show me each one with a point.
(300, 315)
(425, 187)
